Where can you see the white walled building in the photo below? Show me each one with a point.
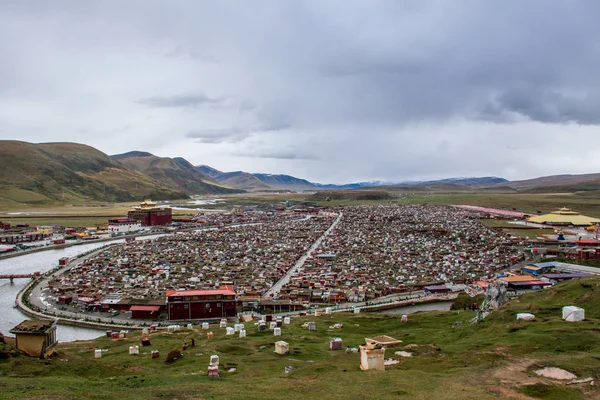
(123, 225)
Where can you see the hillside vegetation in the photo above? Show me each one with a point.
(49, 173)
(257, 182)
(452, 358)
(177, 173)
(243, 180)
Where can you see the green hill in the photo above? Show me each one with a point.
(48, 173)
(566, 183)
(257, 182)
(243, 180)
(452, 358)
(285, 182)
(176, 173)
(213, 173)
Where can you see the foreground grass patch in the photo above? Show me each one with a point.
(452, 358)
(551, 392)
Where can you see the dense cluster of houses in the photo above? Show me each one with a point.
(20, 233)
(380, 250)
(139, 273)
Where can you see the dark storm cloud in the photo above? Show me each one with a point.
(279, 154)
(189, 100)
(373, 88)
(547, 106)
(229, 135)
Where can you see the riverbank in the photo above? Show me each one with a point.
(78, 243)
(62, 320)
(411, 302)
(31, 293)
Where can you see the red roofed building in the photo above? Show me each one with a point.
(149, 214)
(144, 312)
(201, 304)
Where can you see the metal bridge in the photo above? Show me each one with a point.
(18, 276)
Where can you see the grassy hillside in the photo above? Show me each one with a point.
(243, 180)
(587, 203)
(176, 173)
(213, 173)
(48, 173)
(558, 183)
(285, 182)
(452, 358)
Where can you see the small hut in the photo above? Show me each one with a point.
(35, 338)
(372, 357)
(282, 347)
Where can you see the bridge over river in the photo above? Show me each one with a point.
(19, 276)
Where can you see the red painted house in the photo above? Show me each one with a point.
(201, 304)
(21, 238)
(144, 312)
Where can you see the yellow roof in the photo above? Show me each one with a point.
(564, 216)
(517, 278)
(532, 267)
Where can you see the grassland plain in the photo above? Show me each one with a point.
(93, 214)
(583, 203)
(78, 215)
(452, 358)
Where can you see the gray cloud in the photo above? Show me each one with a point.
(547, 106)
(346, 90)
(247, 105)
(179, 52)
(189, 100)
(279, 154)
(229, 135)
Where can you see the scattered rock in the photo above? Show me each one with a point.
(555, 373)
(591, 380)
(403, 353)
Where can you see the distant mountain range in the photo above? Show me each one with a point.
(270, 182)
(488, 180)
(258, 182)
(47, 173)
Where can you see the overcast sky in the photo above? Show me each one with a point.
(331, 91)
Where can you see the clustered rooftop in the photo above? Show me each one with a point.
(252, 256)
(373, 251)
(378, 250)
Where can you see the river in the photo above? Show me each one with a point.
(42, 261)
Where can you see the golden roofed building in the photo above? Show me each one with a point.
(149, 214)
(564, 216)
(146, 204)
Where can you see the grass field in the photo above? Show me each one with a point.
(583, 203)
(527, 203)
(73, 215)
(452, 359)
